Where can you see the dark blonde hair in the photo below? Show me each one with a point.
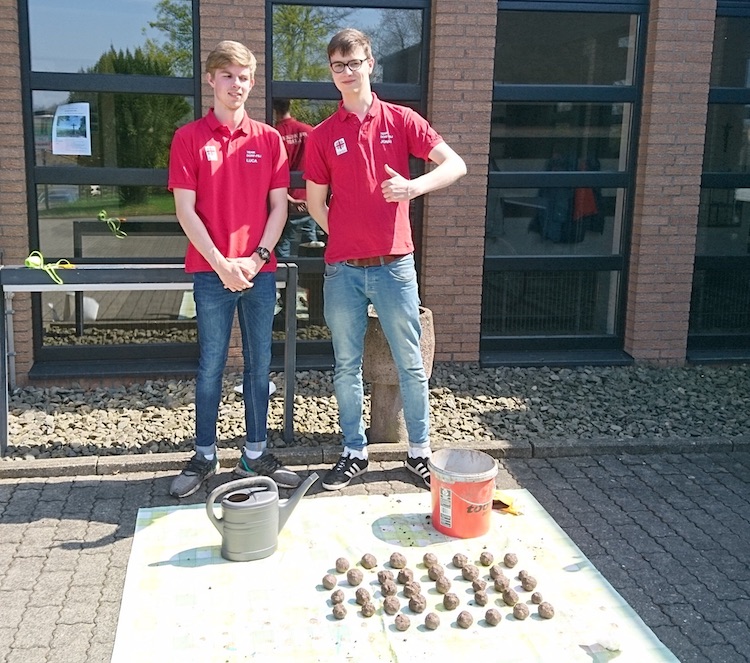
(347, 40)
(228, 53)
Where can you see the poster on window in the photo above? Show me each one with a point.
(71, 130)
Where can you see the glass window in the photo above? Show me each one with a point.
(730, 66)
(541, 303)
(565, 48)
(151, 37)
(727, 138)
(724, 222)
(554, 221)
(301, 35)
(108, 222)
(127, 130)
(721, 301)
(559, 136)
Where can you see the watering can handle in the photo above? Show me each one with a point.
(235, 485)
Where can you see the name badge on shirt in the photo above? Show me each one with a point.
(211, 154)
(340, 146)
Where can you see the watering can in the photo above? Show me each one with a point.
(252, 516)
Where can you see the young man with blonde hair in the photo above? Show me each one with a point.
(229, 176)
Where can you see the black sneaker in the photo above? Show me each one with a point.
(343, 472)
(269, 466)
(195, 473)
(419, 467)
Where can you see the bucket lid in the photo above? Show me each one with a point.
(465, 465)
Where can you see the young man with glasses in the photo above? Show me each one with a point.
(229, 176)
(360, 155)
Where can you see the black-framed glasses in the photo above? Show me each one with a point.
(352, 65)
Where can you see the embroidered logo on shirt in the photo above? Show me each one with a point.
(386, 137)
(340, 146)
(251, 156)
(211, 154)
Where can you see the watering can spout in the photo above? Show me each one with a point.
(286, 509)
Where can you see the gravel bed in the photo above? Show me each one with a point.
(467, 403)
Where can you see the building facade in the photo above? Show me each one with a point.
(605, 216)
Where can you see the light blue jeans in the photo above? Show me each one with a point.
(392, 289)
(215, 307)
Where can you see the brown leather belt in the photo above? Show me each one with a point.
(376, 261)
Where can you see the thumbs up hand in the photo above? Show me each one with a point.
(396, 188)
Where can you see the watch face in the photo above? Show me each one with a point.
(264, 253)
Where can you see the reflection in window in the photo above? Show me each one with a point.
(301, 35)
(731, 58)
(727, 138)
(558, 136)
(724, 222)
(76, 37)
(554, 221)
(127, 130)
(541, 303)
(565, 48)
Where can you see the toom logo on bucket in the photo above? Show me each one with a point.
(478, 508)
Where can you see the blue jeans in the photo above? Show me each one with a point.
(392, 289)
(215, 307)
(308, 229)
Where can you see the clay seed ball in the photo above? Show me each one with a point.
(388, 588)
(479, 585)
(450, 601)
(510, 597)
(536, 598)
(368, 609)
(417, 603)
(545, 610)
(528, 583)
(435, 571)
(368, 561)
(492, 617)
(354, 577)
(510, 560)
(404, 576)
(362, 596)
(337, 596)
(329, 581)
(522, 574)
(430, 559)
(402, 622)
(339, 611)
(460, 560)
(496, 572)
(520, 611)
(431, 621)
(442, 585)
(342, 564)
(384, 575)
(486, 558)
(464, 619)
(501, 584)
(481, 598)
(411, 588)
(391, 605)
(397, 560)
(470, 572)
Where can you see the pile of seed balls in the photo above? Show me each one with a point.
(495, 581)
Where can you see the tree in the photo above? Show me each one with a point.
(174, 18)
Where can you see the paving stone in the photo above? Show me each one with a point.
(28, 655)
(37, 624)
(50, 588)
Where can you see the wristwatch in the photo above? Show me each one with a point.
(264, 253)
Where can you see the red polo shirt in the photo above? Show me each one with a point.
(350, 156)
(294, 134)
(231, 174)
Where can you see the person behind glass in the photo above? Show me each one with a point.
(229, 176)
(294, 134)
(361, 154)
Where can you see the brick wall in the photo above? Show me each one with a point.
(241, 21)
(678, 63)
(459, 107)
(13, 217)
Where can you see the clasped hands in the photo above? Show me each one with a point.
(239, 273)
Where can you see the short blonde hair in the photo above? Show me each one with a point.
(228, 53)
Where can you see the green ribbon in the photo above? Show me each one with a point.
(114, 224)
(36, 261)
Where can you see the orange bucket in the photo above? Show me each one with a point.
(462, 482)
